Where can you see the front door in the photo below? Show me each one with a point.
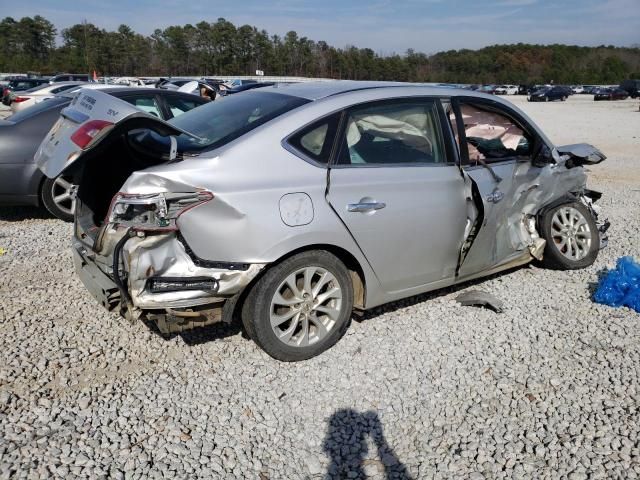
(496, 153)
(398, 192)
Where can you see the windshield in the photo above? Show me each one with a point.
(219, 122)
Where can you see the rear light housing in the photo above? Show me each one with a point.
(153, 212)
(20, 99)
(91, 131)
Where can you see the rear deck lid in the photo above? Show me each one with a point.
(92, 117)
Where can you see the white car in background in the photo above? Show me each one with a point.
(506, 90)
(130, 82)
(34, 95)
(577, 89)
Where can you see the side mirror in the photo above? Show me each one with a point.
(545, 156)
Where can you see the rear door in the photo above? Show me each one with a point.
(493, 144)
(397, 189)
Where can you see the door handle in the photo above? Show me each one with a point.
(365, 207)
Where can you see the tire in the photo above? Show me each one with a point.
(573, 239)
(564, 99)
(58, 196)
(272, 297)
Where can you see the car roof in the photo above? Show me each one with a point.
(319, 90)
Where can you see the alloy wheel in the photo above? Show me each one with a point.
(571, 233)
(306, 306)
(63, 193)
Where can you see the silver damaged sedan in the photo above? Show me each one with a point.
(290, 206)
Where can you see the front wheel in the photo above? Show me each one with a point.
(300, 307)
(572, 236)
(59, 197)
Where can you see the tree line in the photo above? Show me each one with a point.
(221, 48)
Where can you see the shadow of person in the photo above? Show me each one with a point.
(347, 446)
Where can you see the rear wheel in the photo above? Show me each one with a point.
(572, 236)
(59, 197)
(300, 307)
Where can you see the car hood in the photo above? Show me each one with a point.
(110, 116)
(582, 153)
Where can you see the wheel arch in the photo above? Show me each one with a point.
(356, 272)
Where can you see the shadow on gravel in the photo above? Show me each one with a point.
(423, 297)
(200, 335)
(18, 214)
(346, 446)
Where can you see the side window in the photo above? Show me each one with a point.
(146, 104)
(492, 136)
(316, 140)
(178, 105)
(392, 134)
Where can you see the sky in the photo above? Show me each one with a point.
(386, 26)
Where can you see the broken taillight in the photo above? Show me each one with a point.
(87, 133)
(153, 212)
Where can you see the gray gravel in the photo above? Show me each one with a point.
(422, 388)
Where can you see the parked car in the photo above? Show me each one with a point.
(549, 94)
(70, 77)
(19, 85)
(577, 89)
(245, 87)
(21, 183)
(172, 83)
(290, 206)
(490, 89)
(40, 93)
(506, 90)
(610, 94)
(239, 83)
(632, 87)
(129, 82)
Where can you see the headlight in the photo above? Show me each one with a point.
(156, 211)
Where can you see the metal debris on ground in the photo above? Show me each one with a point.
(477, 298)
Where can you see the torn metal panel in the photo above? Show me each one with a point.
(165, 256)
(510, 226)
(477, 298)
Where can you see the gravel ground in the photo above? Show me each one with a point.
(422, 388)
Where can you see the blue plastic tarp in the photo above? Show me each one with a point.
(621, 286)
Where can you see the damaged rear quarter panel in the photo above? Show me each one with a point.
(164, 256)
(243, 223)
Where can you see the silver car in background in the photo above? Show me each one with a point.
(290, 206)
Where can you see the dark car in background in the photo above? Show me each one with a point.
(549, 94)
(20, 85)
(632, 87)
(610, 94)
(22, 183)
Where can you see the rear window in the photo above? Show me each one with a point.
(226, 119)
